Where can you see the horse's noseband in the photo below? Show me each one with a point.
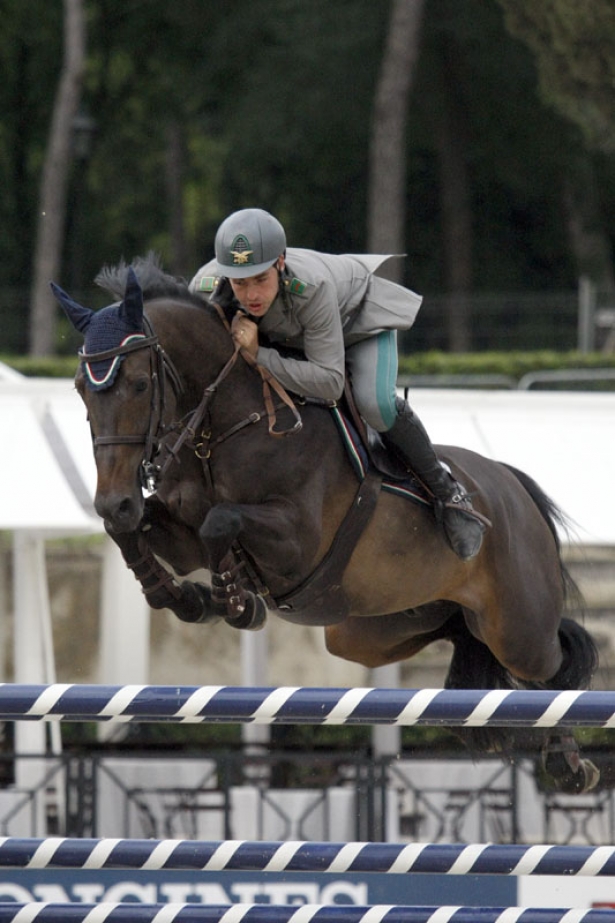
(160, 367)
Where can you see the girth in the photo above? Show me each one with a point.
(320, 600)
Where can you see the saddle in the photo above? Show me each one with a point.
(368, 450)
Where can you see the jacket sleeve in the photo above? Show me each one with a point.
(321, 373)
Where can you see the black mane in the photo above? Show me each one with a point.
(154, 281)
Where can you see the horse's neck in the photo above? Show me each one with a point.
(199, 347)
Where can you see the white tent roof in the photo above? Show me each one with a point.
(47, 470)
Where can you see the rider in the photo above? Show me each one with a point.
(338, 313)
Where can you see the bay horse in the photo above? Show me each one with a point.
(204, 461)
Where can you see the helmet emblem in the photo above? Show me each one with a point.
(240, 257)
(240, 251)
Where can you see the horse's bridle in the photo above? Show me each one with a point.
(161, 369)
(161, 366)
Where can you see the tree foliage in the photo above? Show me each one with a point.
(574, 46)
(201, 108)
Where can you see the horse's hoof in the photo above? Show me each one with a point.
(253, 616)
(572, 774)
(196, 604)
(592, 775)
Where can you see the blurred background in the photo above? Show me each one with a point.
(475, 137)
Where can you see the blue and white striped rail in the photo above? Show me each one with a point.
(305, 705)
(326, 857)
(304, 913)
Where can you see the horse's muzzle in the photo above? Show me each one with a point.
(120, 513)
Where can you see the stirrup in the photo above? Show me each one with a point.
(462, 525)
(461, 502)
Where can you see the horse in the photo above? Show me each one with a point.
(205, 462)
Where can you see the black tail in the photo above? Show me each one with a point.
(580, 659)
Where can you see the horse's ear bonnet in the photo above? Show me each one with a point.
(105, 329)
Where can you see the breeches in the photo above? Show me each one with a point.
(372, 365)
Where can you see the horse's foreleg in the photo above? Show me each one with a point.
(241, 539)
(191, 602)
(275, 534)
(240, 606)
(174, 541)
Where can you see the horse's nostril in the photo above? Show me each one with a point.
(121, 512)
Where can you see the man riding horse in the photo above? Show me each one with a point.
(338, 314)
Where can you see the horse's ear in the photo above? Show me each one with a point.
(79, 316)
(132, 305)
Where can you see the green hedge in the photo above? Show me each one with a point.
(42, 367)
(512, 364)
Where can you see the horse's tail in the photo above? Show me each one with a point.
(580, 652)
(580, 658)
(554, 517)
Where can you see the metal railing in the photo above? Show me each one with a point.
(343, 797)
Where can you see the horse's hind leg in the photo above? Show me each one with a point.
(561, 759)
(474, 666)
(378, 640)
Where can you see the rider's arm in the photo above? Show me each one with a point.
(321, 373)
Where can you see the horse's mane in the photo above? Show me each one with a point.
(154, 281)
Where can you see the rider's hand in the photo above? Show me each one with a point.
(245, 333)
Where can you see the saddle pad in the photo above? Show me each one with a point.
(410, 488)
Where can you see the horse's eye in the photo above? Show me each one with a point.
(141, 386)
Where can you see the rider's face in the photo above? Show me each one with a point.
(257, 293)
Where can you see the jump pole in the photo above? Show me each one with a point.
(307, 705)
(306, 856)
(283, 913)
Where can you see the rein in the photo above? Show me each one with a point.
(195, 420)
(162, 367)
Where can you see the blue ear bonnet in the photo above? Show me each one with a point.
(108, 329)
(104, 330)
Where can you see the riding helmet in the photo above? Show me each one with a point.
(248, 242)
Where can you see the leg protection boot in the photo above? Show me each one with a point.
(463, 526)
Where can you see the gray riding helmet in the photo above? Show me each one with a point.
(248, 242)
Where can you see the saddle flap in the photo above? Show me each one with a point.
(379, 456)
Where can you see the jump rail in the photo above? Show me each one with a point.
(306, 705)
(325, 857)
(305, 913)
(303, 705)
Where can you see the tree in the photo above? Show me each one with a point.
(52, 203)
(574, 47)
(388, 150)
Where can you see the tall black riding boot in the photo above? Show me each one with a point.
(462, 525)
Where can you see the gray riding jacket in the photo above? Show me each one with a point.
(327, 303)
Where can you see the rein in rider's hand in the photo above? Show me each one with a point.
(245, 334)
